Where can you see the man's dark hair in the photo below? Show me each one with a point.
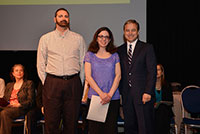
(61, 9)
(132, 21)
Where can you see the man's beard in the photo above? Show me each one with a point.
(63, 23)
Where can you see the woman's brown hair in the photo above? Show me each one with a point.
(94, 46)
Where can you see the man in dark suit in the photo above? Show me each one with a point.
(138, 66)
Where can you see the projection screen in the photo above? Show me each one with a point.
(24, 21)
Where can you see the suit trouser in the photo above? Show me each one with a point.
(7, 115)
(139, 118)
(61, 99)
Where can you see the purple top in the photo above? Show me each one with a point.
(103, 72)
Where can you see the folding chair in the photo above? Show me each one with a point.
(120, 120)
(120, 124)
(173, 127)
(190, 101)
(81, 125)
(41, 122)
(22, 120)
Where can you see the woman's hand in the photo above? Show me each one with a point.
(84, 100)
(105, 98)
(15, 105)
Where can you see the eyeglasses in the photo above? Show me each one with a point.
(106, 37)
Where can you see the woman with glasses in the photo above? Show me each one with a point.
(103, 73)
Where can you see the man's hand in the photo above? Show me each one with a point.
(146, 97)
(42, 110)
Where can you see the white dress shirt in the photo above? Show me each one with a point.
(133, 46)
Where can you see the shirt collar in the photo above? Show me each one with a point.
(61, 35)
(133, 43)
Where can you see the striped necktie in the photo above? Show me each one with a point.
(130, 54)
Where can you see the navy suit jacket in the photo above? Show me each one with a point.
(141, 73)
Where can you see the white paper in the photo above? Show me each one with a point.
(97, 111)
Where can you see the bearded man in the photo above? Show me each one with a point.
(60, 68)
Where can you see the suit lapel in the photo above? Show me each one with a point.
(10, 90)
(22, 87)
(125, 56)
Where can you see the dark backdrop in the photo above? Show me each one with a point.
(26, 58)
(173, 29)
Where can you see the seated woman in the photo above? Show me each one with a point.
(20, 95)
(164, 102)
